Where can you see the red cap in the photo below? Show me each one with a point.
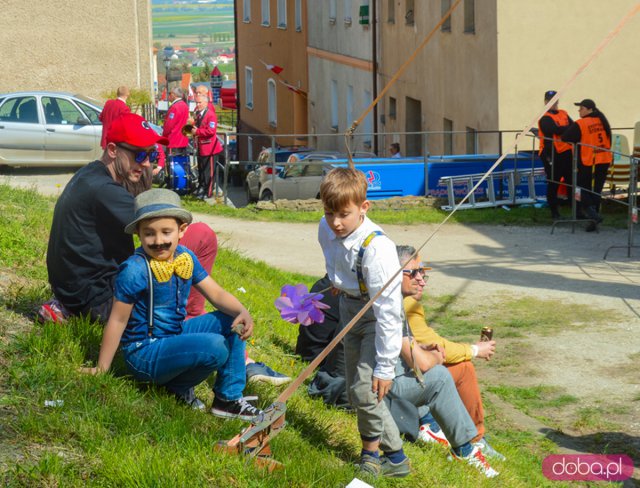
(134, 130)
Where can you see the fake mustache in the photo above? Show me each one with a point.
(160, 247)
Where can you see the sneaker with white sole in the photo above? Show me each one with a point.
(234, 409)
(427, 435)
(190, 399)
(478, 461)
(262, 372)
(489, 451)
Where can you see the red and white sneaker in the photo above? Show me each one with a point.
(478, 461)
(427, 435)
(53, 311)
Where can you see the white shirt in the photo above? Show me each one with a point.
(396, 156)
(379, 263)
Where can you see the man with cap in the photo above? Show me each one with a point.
(87, 241)
(593, 132)
(555, 154)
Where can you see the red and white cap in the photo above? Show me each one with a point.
(134, 130)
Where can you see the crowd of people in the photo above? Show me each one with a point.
(396, 373)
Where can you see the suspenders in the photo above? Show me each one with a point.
(364, 292)
(150, 311)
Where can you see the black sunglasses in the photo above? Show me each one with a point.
(141, 156)
(412, 273)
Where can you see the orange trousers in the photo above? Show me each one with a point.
(466, 380)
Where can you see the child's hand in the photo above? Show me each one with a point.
(243, 325)
(93, 371)
(381, 387)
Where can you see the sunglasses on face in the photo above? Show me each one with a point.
(413, 273)
(141, 156)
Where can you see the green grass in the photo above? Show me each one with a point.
(532, 399)
(520, 216)
(112, 432)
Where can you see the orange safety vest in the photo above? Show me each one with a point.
(561, 118)
(593, 134)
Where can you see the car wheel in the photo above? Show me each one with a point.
(250, 197)
(266, 196)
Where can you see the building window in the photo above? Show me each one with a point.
(409, 13)
(333, 11)
(248, 87)
(391, 11)
(349, 105)
(266, 14)
(447, 136)
(392, 108)
(334, 105)
(472, 141)
(298, 15)
(347, 12)
(272, 102)
(445, 5)
(469, 17)
(282, 14)
(246, 10)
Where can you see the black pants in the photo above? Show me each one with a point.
(591, 181)
(557, 166)
(206, 165)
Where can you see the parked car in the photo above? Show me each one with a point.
(256, 178)
(302, 175)
(49, 129)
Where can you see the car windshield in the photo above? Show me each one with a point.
(90, 101)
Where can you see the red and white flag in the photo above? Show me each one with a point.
(273, 67)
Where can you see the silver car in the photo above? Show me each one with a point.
(301, 177)
(49, 129)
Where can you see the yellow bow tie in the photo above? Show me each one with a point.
(181, 266)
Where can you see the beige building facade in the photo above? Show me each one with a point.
(271, 34)
(488, 68)
(80, 46)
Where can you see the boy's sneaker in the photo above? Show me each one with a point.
(375, 467)
(262, 372)
(489, 451)
(190, 399)
(427, 435)
(234, 409)
(478, 461)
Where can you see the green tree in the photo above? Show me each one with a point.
(137, 98)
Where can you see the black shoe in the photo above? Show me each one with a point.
(234, 409)
(593, 215)
(591, 227)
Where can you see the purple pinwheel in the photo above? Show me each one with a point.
(298, 306)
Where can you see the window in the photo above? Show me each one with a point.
(282, 14)
(347, 12)
(445, 5)
(472, 141)
(298, 15)
(272, 102)
(391, 11)
(92, 114)
(409, 13)
(447, 136)
(61, 112)
(23, 109)
(333, 9)
(266, 14)
(248, 87)
(334, 105)
(349, 105)
(392, 108)
(246, 10)
(469, 17)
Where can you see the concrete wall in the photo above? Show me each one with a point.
(284, 47)
(454, 77)
(339, 51)
(80, 46)
(543, 43)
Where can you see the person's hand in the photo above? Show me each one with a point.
(92, 371)
(486, 349)
(191, 121)
(436, 350)
(156, 170)
(381, 387)
(244, 324)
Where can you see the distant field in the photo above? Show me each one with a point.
(188, 22)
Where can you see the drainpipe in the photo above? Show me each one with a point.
(373, 18)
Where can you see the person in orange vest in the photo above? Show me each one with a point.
(593, 132)
(556, 155)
